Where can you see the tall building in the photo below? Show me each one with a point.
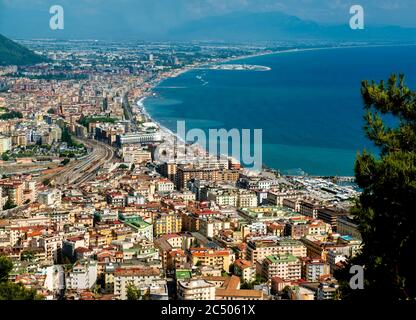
(14, 190)
(285, 266)
(5, 144)
(186, 173)
(83, 276)
(314, 269)
(165, 223)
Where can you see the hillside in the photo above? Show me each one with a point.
(12, 53)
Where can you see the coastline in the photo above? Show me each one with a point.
(140, 101)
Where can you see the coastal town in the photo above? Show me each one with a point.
(88, 211)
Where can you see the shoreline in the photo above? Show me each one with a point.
(140, 101)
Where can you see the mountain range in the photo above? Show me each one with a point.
(275, 26)
(12, 53)
(239, 26)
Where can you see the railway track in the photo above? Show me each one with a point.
(81, 171)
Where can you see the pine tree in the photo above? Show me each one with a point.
(10, 290)
(385, 211)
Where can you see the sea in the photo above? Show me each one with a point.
(308, 105)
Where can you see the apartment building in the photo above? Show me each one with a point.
(195, 289)
(136, 155)
(211, 227)
(164, 185)
(53, 247)
(14, 190)
(138, 277)
(259, 248)
(330, 216)
(82, 277)
(211, 257)
(285, 266)
(245, 269)
(347, 226)
(276, 198)
(309, 208)
(246, 199)
(223, 197)
(166, 222)
(5, 144)
(314, 269)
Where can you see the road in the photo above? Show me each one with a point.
(128, 112)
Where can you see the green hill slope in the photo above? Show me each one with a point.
(12, 53)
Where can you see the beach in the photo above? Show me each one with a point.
(332, 153)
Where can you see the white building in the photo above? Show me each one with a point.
(138, 138)
(52, 246)
(82, 277)
(5, 144)
(223, 197)
(50, 198)
(55, 278)
(195, 289)
(211, 228)
(247, 199)
(139, 277)
(165, 185)
(134, 154)
(257, 228)
(334, 257)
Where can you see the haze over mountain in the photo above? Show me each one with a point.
(266, 26)
(12, 53)
(207, 19)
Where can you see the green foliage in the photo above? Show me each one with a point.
(6, 267)
(9, 204)
(123, 166)
(12, 53)
(46, 182)
(246, 285)
(259, 280)
(27, 255)
(133, 293)
(85, 121)
(66, 137)
(65, 161)
(17, 291)
(10, 290)
(11, 115)
(385, 210)
(5, 157)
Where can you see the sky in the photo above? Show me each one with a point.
(148, 19)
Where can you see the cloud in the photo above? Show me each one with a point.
(153, 17)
